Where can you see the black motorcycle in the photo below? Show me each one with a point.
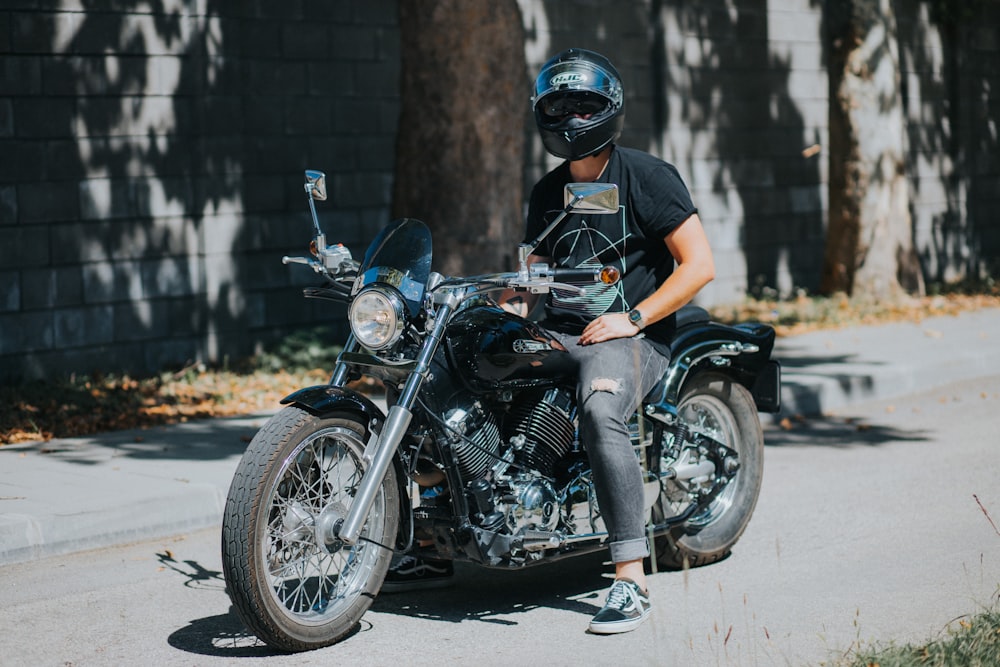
(478, 454)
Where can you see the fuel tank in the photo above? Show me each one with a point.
(492, 349)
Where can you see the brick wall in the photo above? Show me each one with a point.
(950, 64)
(150, 160)
(732, 93)
(735, 93)
(151, 172)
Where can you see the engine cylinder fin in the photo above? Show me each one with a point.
(547, 428)
(479, 449)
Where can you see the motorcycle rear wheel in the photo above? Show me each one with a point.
(717, 406)
(290, 585)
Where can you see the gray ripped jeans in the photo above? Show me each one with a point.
(614, 377)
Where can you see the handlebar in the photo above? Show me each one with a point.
(332, 260)
(583, 275)
(537, 279)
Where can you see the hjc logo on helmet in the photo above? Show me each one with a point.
(567, 78)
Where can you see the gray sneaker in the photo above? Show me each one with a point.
(626, 609)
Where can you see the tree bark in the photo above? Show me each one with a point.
(869, 248)
(459, 155)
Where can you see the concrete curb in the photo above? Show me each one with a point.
(76, 494)
(827, 371)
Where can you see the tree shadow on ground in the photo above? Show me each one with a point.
(206, 440)
(838, 432)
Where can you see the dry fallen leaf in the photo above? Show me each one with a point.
(809, 151)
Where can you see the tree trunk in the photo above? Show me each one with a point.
(464, 97)
(869, 247)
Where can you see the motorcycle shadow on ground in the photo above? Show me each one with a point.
(476, 594)
(497, 596)
(221, 636)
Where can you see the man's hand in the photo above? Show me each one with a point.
(608, 327)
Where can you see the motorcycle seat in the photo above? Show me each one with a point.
(691, 314)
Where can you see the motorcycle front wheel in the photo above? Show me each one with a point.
(292, 583)
(715, 405)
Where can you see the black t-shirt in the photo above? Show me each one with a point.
(653, 201)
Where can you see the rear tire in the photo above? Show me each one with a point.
(717, 406)
(298, 476)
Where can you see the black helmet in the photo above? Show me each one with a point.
(579, 104)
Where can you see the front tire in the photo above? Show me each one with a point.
(717, 406)
(291, 584)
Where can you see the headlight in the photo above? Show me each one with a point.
(377, 317)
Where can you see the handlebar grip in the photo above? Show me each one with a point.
(607, 275)
(576, 275)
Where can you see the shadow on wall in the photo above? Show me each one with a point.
(706, 91)
(751, 78)
(139, 161)
(948, 55)
(164, 155)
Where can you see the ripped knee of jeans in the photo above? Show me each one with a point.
(609, 385)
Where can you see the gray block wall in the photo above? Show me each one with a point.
(151, 159)
(151, 173)
(951, 87)
(735, 95)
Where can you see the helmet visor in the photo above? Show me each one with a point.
(577, 75)
(574, 103)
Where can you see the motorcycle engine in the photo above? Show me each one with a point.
(479, 449)
(538, 433)
(540, 427)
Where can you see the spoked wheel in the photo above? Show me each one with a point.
(292, 582)
(718, 407)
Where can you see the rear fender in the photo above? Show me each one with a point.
(742, 351)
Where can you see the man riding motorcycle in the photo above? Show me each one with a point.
(619, 335)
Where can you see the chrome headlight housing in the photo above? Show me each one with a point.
(378, 317)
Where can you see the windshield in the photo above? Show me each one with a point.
(399, 256)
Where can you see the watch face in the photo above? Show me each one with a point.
(634, 316)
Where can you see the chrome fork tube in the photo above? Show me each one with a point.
(382, 449)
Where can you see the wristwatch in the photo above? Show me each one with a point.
(635, 317)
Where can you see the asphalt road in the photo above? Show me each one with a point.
(877, 524)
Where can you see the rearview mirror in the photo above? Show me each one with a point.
(591, 197)
(597, 198)
(316, 184)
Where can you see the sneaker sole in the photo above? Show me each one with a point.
(620, 626)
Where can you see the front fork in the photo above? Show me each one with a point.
(380, 450)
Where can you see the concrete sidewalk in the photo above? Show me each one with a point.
(74, 494)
